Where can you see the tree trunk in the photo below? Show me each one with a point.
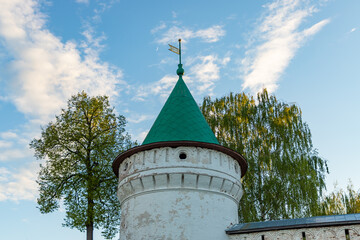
(89, 232)
(90, 219)
(90, 201)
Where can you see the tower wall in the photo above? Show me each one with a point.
(165, 195)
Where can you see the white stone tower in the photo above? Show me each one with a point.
(180, 184)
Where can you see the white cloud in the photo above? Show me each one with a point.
(15, 146)
(45, 71)
(201, 78)
(8, 135)
(164, 85)
(101, 7)
(277, 39)
(4, 98)
(353, 30)
(211, 34)
(5, 144)
(141, 136)
(158, 28)
(20, 184)
(139, 118)
(315, 28)
(161, 88)
(12, 154)
(82, 1)
(4, 174)
(205, 71)
(232, 17)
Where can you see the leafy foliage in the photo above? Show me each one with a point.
(79, 147)
(341, 202)
(285, 176)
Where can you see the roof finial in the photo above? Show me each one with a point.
(179, 50)
(180, 70)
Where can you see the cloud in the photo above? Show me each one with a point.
(201, 78)
(5, 144)
(12, 154)
(275, 43)
(164, 85)
(141, 136)
(158, 28)
(3, 174)
(205, 71)
(14, 146)
(20, 184)
(232, 17)
(139, 118)
(161, 88)
(8, 135)
(211, 34)
(352, 30)
(101, 7)
(315, 28)
(82, 1)
(46, 71)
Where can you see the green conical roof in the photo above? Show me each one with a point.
(180, 119)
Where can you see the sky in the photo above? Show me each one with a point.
(304, 52)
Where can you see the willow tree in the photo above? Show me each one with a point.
(79, 147)
(285, 177)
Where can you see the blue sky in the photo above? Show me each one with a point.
(304, 52)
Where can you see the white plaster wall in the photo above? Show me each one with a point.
(165, 197)
(319, 233)
(177, 215)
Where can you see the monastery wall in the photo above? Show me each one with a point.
(318, 233)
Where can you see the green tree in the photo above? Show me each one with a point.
(341, 202)
(352, 200)
(285, 176)
(79, 147)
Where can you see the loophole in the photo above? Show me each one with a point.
(182, 155)
(126, 166)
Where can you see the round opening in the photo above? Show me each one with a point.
(182, 155)
(126, 166)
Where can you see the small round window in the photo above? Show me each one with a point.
(182, 155)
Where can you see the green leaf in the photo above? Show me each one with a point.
(79, 147)
(285, 177)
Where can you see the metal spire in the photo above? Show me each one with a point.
(179, 50)
(180, 70)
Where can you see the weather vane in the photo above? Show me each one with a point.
(176, 50)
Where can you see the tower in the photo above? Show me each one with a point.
(180, 184)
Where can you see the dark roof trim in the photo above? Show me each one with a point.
(291, 224)
(237, 156)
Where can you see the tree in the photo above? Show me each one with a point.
(285, 176)
(341, 202)
(79, 147)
